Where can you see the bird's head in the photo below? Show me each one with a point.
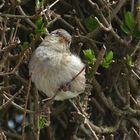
(58, 40)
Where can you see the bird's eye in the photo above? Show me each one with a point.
(58, 33)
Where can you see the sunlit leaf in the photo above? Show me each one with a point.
(109, 56)
(105, 64)
(42, 121)
(40, 25)
(107, 60)
(89, 55)
(39, 22)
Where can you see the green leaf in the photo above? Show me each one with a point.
(107, 60)
(109, 56)
(42, 121)
(90, 23)
(40, 25)
(39, 22)
(89, 55)
(129, 60)
(42, 30)
(125, 29)
(129, 20)
(105, 64)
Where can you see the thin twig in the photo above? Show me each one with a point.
(135, 74)
(134, 130)
(36, 115)
(26, 19)
(13, 135)
(85, 119)
(99, 58)
(50, 6)
(17, 106)
(25, 110)
(16, 16)
(77, 74)
(107, 25)
(15, 33)
(136, 48)
(9, 101)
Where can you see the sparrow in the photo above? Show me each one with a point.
(55, 70)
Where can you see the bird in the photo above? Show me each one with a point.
(56, 71)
